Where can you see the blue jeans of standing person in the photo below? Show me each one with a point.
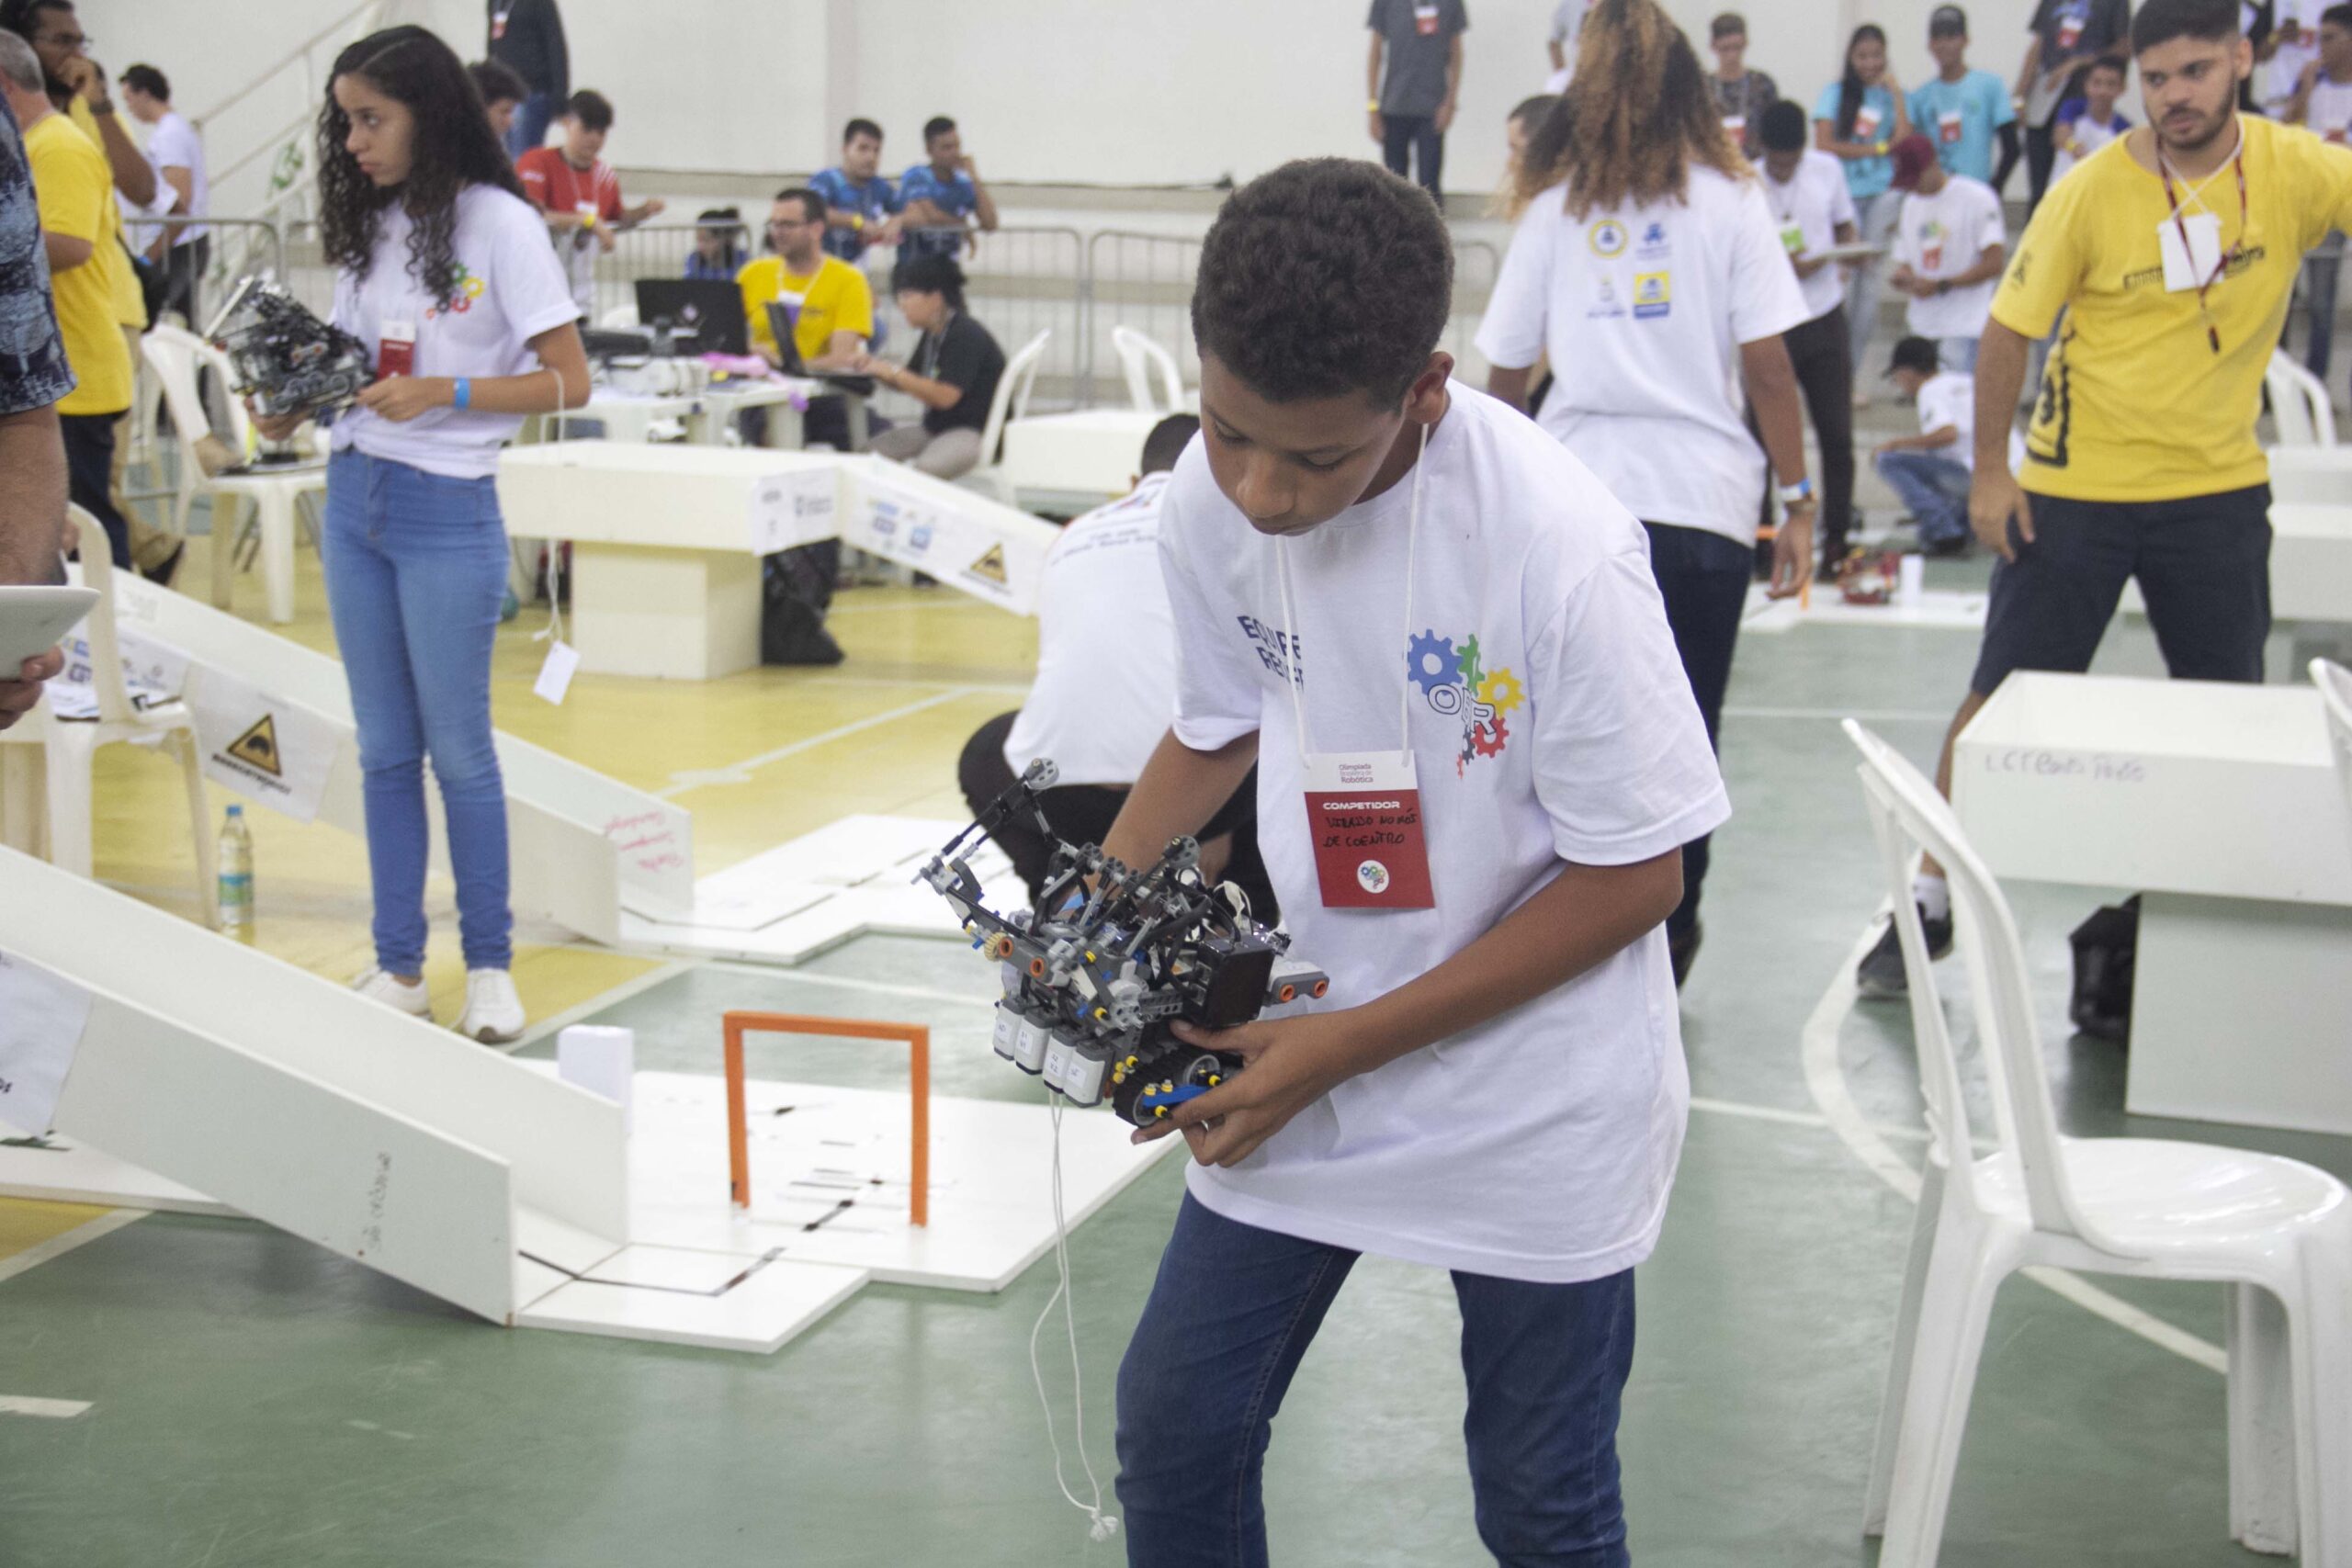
(2322, 268)
(1934, 489)
(1878, 214)
(415, 568)
(529, 127)
(1229, 1318)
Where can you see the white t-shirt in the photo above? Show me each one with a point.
(1106, 647)
(1539, 1145)
(1642, 313)
(1805, 214)
(511, 288)
(1567, 27)
(2275, 79)
(1942, 236)
(2080, 137)
(2329, 112)
(173, 143)
(1949, 397)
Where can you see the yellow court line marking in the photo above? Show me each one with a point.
(58, 1246)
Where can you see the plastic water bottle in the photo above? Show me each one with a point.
(236, 877)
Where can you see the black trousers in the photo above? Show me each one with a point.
(1083, 814)
(183, 275)
(1704, 579)
(1822, 353)
(89, 475)
(2041, 157)
(1418, 138)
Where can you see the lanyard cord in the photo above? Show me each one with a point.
(1296, 666)
(2180, 226)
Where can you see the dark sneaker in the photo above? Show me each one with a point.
(1879, 973)
(1683, 950)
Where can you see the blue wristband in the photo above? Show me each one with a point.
(463, 395)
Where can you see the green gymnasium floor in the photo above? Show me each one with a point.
(256, 1400)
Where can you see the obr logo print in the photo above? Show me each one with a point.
(1372, 876)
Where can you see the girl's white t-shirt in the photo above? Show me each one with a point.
(511, 288)
(1642, 311)
(1550, 720)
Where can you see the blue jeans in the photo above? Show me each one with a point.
(529, 127)
(1958, 355)
(1934, 489)
(2322, 268)
(1232, 1313)
(416, 567)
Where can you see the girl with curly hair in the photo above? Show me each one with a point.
(1648, 265)
(445, 269)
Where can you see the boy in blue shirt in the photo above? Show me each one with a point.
(941, 202)
(861, 207)
(1964, 111)
(1438, 639)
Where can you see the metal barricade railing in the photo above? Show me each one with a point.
(1142, 282)
(239, 245)
(1020, 282)
(661, 250)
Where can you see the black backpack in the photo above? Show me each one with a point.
(2107, 955)
(796, 588)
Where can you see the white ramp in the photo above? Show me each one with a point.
(228, 1071)
(584, 846)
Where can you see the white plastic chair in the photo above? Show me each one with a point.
(619, 319)
(2299, 403)
(67, 746)
(2276, 1232)
(274, 493)
(1010, 402)
(1139, 356)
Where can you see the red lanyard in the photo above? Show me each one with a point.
(2181, 225)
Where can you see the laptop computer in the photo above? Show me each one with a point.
(709, 311)
(781, 322)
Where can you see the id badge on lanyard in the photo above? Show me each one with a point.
(396, 348)
(1363, 808)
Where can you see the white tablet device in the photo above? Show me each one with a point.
(34, 620)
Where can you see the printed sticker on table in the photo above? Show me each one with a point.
(1364, 821)
(267, 749)
(43, 1018)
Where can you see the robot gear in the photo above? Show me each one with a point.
(1110, 958)
(1432, 661)
(287, 360)
(1472, 676)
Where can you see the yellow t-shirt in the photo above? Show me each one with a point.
(122, 278)
(76, 194)
(834, 298)
(2135, 404)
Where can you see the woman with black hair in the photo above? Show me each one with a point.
(445, 270)
(953, 372)
(1860, 117)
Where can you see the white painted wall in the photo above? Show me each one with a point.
(1115, 91)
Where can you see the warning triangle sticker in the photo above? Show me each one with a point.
(990, 568)
(257, 747)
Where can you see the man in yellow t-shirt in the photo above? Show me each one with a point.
(2166, 262)
(832, 301)
(80, 223)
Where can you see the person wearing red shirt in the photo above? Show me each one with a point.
(579, 193)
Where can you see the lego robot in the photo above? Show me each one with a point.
(285, 359)
(1095, 975)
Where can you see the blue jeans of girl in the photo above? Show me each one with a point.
(415, 568)
(1229, 1318)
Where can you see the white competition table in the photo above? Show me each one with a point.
(666, 543)
(667, 540)
(1077, 460)
(2221, 804)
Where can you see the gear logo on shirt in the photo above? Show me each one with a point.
(1454, 681)
(465, 288)
(1608, 238)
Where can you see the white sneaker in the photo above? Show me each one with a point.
(494, 1012)
(377, 986)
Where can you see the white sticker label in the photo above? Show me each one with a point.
(42, 1018)
(555, 676)
(265, 749)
